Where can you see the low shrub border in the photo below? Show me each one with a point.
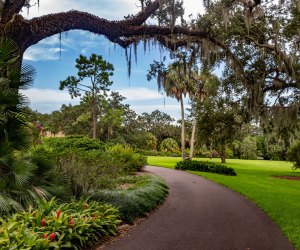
(205, 166)
(142, 197)
(69, 225)
(78, 224)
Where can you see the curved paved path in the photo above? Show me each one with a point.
(199, 214)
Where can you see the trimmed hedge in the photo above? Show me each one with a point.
(205, 166)
(145, 195)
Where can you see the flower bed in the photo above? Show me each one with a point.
(70, 225)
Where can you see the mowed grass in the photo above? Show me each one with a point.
(279, 198)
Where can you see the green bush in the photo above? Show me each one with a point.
(86, 170)
(169, 145)
(82, 143)
(249, 148)
(293, 154)
(229, 153)
(158, 153)
(277, 152)
(205, 166)
(145, 195)
(131, 162)
(70, 225)
(202, 153)
(85, 164)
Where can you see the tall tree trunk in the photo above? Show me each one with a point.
(182, 129)
(223, 154)
(193, 139)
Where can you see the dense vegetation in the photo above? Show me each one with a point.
(250, 111)
(51, 188)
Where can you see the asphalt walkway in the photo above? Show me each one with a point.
(199, 214)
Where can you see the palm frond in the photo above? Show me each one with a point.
(8, 51)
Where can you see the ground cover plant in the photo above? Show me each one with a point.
(255, 179)
(145, 193)
(55, 226)
(205, 166)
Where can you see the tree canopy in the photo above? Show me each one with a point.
(256, 42)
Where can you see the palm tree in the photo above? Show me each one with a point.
(205, 84)
(12, 103)
(177, 82)
(177, 85)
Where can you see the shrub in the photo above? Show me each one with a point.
(293, 154)
(229, 153)
(248, 148)
(146, 194)
(158, 153)
(70, 225)
(130, 161)
(169, 145)
(205, 166)
(202, 153)
(277, 152)
(151, 141)
(81, 164)
(82, 143)
(85, 170)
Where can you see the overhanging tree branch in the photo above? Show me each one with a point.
(27, 33)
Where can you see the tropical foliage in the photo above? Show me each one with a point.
(52, 225)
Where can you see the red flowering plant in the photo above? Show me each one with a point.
(73, 224)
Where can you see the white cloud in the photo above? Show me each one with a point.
(38, 96)
(42, 54)
(113, 10)
(137, 94)
(48, 100)
(116, 9)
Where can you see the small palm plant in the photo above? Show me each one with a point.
(22, 178)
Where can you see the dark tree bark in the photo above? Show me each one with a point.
(29, 32)
(223, 153)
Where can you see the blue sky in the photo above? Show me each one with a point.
(45, 56)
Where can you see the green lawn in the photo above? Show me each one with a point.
(279, 198)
